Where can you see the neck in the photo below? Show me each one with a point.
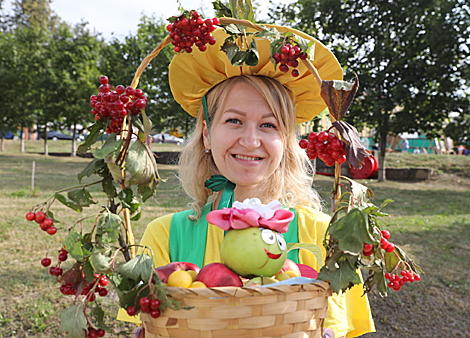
(241, 193)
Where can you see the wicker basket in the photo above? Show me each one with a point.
(286, 311)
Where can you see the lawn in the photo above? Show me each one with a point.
(430, 220)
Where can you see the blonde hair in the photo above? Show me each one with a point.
(290, 183)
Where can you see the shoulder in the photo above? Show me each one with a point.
(164, 221)
(309, 215)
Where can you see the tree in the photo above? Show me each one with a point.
(408, 57)
(73, 55)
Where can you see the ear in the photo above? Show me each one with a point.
(205, 136)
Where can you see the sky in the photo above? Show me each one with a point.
(121, 17)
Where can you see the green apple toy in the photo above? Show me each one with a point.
(254, 245)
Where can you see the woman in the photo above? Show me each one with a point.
(245, 137)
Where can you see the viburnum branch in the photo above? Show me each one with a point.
(94, 227)
(76, 187)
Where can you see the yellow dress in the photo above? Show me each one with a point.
(348, 313)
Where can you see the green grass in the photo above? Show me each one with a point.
(430, 220)
(451, 164)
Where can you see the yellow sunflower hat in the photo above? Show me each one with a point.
(193, 74)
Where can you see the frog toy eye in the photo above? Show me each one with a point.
(268, 236)
(281, 242)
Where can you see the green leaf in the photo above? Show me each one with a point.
(67, 202)
(141, 165)
(73, 244)
(138, 124)
(221, 10)
(81, 197)
(90, 169)
(232, 29)
(391, 260)
(272, 34)
(147, 126)
(108, 187)
(377, 278)
(111, 145)
(50, 214)
(89, 272)
(98, 314)
(137, 216)
(145, 192)
(342, 278)
(108, 224)
(307, 46)
(128, 298)
(313, 248)
(352, 231)
(73, 322)
(362, 194)
(100, 262)
(95, 133)
(139, 268)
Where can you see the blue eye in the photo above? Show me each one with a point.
(236, 121)
(268, 125)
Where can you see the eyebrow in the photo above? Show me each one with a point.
(242, 113)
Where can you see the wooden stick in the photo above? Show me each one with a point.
(149, 58)
(246, 23)
(32, 177)
(314, 71)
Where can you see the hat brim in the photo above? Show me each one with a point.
(192, 75)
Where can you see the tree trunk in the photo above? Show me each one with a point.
(22, 140)
(382, 152)
(74, 140)
(46, 147)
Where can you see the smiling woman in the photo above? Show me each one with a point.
(244, 146)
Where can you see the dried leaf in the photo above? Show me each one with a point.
(355, 150)
(75, 275)
(338, 96)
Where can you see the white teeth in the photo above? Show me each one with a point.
(247, 158)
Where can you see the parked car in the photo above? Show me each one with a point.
(57, 135)
(167, 138)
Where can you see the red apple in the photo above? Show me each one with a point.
(218, 274)
(307, 271)
(290, 265)
(165, 271)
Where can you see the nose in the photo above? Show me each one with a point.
(250, 138)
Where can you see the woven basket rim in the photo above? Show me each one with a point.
(179, 292)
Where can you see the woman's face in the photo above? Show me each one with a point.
(245, 138)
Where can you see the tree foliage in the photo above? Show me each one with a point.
(120, 60)
(410, 57)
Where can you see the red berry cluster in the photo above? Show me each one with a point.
(55, 270)
(92, 333)
(288, 58)
(44, 222)
(113, 104)
(384, 244)
(190, 30)
(396, 281)
(151, 306)
(326, 146)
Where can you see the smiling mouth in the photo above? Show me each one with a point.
(271, 255)
(247, 158)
